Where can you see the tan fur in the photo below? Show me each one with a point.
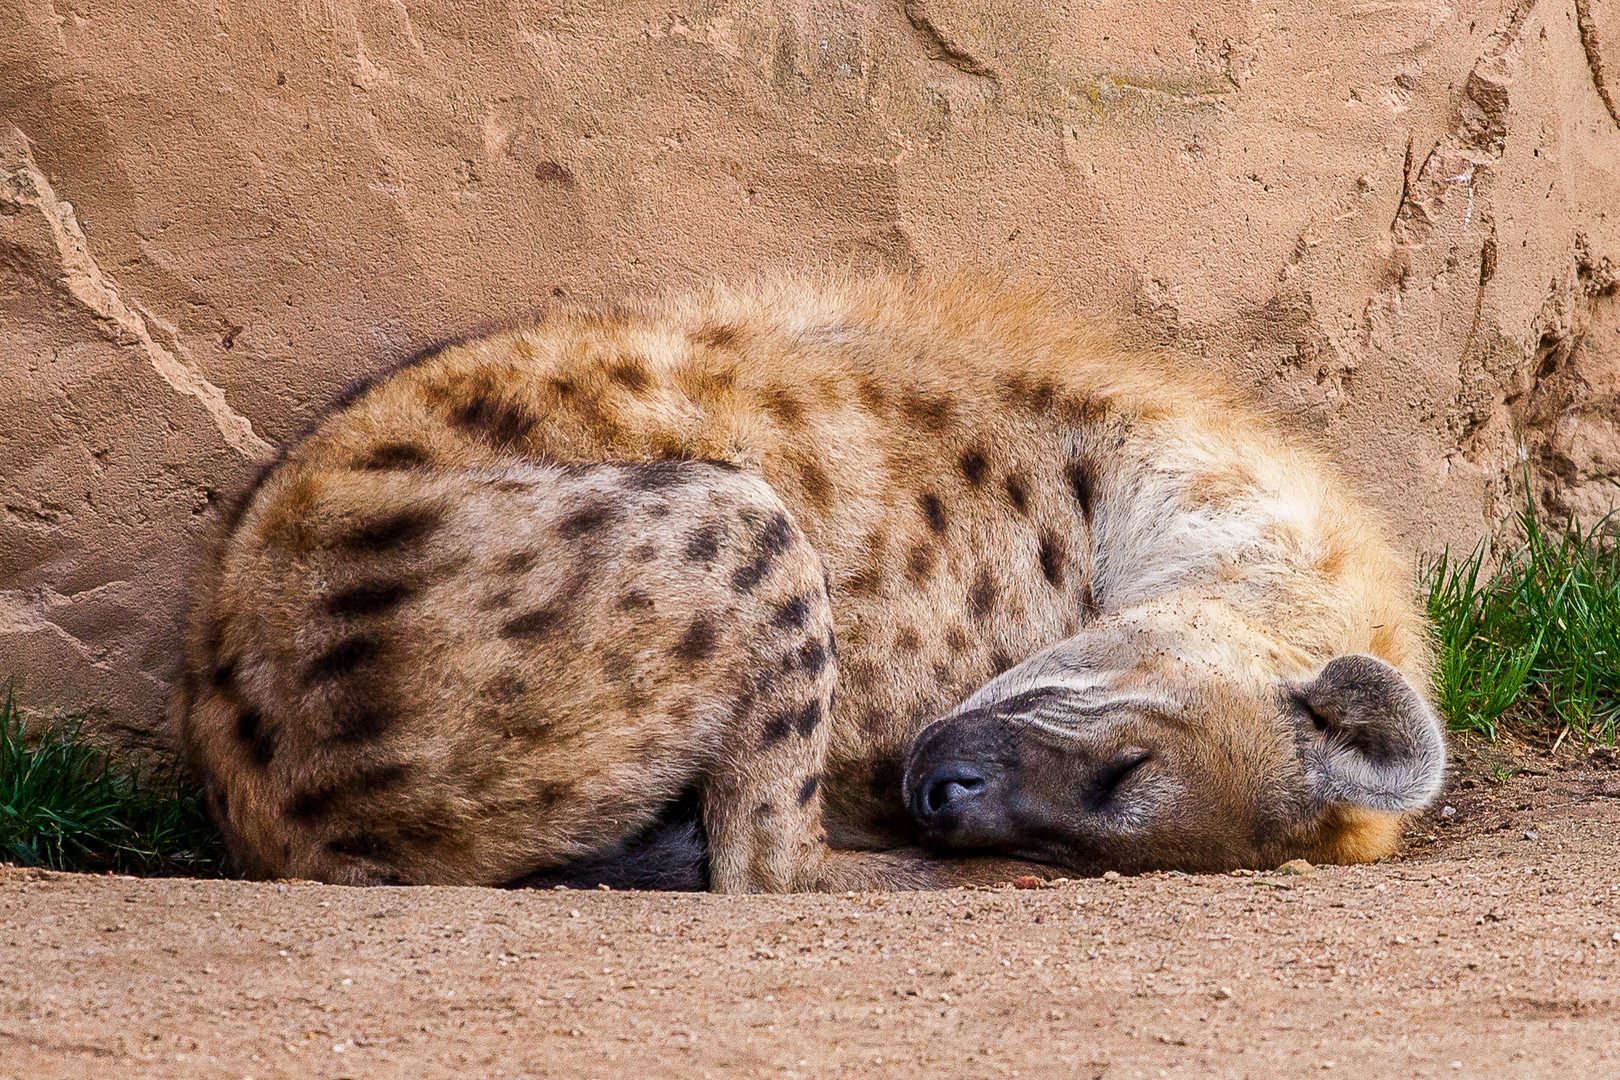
(367, 703)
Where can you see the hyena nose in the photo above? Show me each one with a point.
(945, 792)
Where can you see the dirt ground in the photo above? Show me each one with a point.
(1490, 949)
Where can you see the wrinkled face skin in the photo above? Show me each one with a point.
(1170, 766)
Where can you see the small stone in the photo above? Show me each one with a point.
(1298, 867)
(1448, 811)
(1027, 881)
(1111, 875)
(1223, 994)
(1531, 834)
(604, 886)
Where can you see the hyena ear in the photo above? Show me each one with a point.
(1368, 738)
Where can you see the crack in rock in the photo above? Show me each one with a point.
(1475, 142)
(942, 48)
(23, 185)
(1594, 57)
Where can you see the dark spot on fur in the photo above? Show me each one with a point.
(792, 615)
(632, 375)
(1000, 662)
(389, 532)
(804, 718)
(314, 802)
(511, 487)
(343, 658)
(704, 544)
(743, 706)
(1054, 558)
(223, 674)
(1019, 390)
(536, 623)
(1083, 482)
(807, 790)
(782, 404)
(361, 721)
(586, 520)
(973, 466)
(699, 641)
(644, 553)
(982, 594)
(870, 391)
(919, 564)
(933, 511)
(865, 581)
(716, 336)
(1088, 601)
(813, 478)
(372, 598)
(907, 640)
(772, 540)
(395, 455)
(496, 422)
(505, 688)
(635, 600)
(518, 561)
(258, 736)
(812, 657)
(777, 727)
(928, 412)
(360, 846)
(1017, 494)
(956, 640)
(654, 475)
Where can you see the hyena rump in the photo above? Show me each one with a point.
(875, 583)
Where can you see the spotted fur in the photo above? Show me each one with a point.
(507, 604)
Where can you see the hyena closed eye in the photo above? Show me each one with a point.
(872, 583)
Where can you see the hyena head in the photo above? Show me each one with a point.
(1128, 751)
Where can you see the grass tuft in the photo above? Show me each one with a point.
(1536, 642)
(66, 804)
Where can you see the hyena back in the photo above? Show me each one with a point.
(505, 605)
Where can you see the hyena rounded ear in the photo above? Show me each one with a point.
(1368, 738)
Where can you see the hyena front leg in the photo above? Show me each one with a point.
(762, 796)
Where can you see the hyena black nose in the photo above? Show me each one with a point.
(945, 792)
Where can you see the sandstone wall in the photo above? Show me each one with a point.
(1395, 220)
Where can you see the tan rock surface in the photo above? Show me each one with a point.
(1395, 221)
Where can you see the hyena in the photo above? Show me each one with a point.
(820, 585)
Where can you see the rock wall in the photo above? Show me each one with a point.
(1395, 221)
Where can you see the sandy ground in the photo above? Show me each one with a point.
(1491, 949)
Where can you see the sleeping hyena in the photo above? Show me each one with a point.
(860, 584)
